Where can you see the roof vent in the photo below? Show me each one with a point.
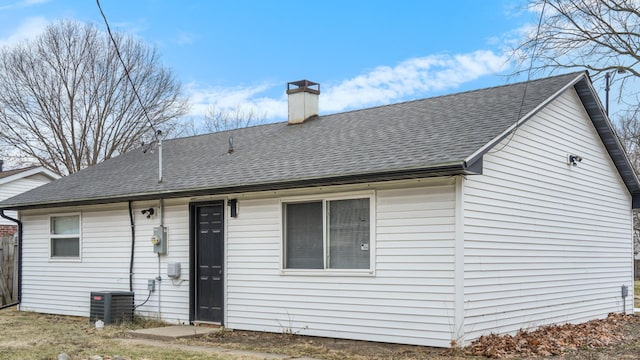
(303, 100)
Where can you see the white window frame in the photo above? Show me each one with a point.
(371, 195)
(62, 236)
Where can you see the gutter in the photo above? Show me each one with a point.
(19, 223)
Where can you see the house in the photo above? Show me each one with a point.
(16, 181)
(420, 222)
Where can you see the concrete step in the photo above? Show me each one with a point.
(207, 324)
(173, 332)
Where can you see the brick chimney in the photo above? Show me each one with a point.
(303, 100)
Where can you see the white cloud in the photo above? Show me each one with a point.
(134, 28)
(412, 78)
(22, 4)
(246, 98)
(28, 29)
(184, 38)
(34, 2)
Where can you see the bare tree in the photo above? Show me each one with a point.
(598, 35)
(602, 36)
(216, 119)
(628, 130)
(66, 102)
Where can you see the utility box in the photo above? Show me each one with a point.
(159, 240)
(111, 306)
(173, 270)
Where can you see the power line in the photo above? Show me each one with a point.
(126, 71)
(526, 84)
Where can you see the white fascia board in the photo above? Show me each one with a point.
(30, 172)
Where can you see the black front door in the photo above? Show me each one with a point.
(209, 261)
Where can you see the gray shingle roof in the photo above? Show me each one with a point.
(394, 141)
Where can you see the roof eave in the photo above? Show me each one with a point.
(609, 138)
(448, 169)
(30, 172)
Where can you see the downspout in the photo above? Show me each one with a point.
(133, 245)
(19, 223)
(457, 332)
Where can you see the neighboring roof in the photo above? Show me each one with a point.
(444, 135)
(7, 173)
(15, 174)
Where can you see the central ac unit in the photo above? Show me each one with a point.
(111, 306)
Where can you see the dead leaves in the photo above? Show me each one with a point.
(554, 339)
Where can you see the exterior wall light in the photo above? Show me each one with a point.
(574, 159)
(149, 212)
(233, 205)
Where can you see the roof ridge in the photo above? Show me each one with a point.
(386, 105)
(222, 131)
(459, 93)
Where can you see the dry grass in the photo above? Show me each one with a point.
(35, 336)
(25, 335)
(43, 337)
(636, 292)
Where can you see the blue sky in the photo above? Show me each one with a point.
(363, 53)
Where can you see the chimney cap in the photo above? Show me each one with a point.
(303, 86)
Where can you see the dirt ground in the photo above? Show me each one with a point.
(42, 337)
(617, 337)
(322, 348)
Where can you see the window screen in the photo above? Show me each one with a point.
(343, 244)
(303, 232)
(65, 247)
(65, 225)
(349, 234)
(65, 236)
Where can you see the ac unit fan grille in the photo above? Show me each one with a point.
(111, 306)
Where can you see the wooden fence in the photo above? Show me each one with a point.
(8, 273)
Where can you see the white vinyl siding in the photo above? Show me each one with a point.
(546, 242)
(63, 287)
(170, 301)
(13, 188)
(408, 300)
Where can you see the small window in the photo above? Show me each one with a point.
(65, 236)
(327, 234)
